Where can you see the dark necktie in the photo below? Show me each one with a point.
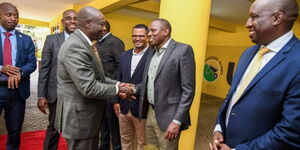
(7, 57)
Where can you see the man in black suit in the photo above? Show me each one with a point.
(132, 65)
(110, 49)
(47, 90)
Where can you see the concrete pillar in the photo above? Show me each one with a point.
(190, 22)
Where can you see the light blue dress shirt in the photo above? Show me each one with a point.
(13, 41)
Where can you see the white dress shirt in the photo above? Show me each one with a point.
(136, 57)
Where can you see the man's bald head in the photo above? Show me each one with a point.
(288, 7)
(90, 21)
(5, 5)
(87, 14)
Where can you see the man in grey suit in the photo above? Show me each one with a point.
(168, 86)
(47, 82)
(82, 86)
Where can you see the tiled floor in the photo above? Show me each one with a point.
(35, 120)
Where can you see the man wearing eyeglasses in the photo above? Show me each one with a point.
(132, 65)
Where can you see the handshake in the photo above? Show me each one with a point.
(127, 90)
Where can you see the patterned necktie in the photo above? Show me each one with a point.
(252, 72)
(7, 57)
(94, 48)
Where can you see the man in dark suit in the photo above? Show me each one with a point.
(17, 62)
(82, 87)
(47, 83)
(132, 65)
(168, 85)
(110, 49)
(261, 110)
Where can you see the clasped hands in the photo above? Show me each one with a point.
(218, 142)
(126, 90)
(14, 75)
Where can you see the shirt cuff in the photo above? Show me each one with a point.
(218, 128)
(177, 122)
(0, 68)
(117, 88)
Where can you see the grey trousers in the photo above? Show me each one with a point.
(83, 144)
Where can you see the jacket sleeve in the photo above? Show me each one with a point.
(44, 71)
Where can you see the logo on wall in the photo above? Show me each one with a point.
(212, 69)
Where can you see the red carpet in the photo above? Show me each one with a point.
(32, 141)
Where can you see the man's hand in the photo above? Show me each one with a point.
(173, 131)
(117, 109)
(42, 104)
(10, 70)
(13, 81)
(218, 139)
(214, 146)
(126, 91)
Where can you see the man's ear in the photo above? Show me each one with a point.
(278, 18)
(166, 32)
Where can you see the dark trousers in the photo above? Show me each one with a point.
(52, 136)
(110, 127)
(83, 144)
(14, 108)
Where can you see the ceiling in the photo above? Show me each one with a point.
(234, 11)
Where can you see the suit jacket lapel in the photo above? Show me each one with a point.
(280, 56)
(98, 61)
(61, 38)
(243, 64)
(128, 66)
(1, 55)
(167, 54)
(19, 49)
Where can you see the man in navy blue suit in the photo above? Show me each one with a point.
(132, 65)
(264, 115)
(17, 62)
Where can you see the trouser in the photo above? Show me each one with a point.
(110, 127)
(129, 126)
(52, 136)
(14, 108)
(83, 144)
(155, 136)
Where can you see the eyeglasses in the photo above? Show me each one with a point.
(138, 36)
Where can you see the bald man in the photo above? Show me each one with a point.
(17, 62)
(82, 86)
(261, 111)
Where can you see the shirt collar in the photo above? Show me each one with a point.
(88, 39)
(142, 52)
(13, 32)
(66, 34)
(279, 43)
(104, 36)
(162, 49)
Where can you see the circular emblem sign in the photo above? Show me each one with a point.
(212, 69)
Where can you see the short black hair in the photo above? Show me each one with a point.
(166, 24)
(141, 26)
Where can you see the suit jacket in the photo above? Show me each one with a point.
(82, 88)
(125, 71)
(110, 50)
(47, 83)
(267, 114)
(25, 60)
(174, 86)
